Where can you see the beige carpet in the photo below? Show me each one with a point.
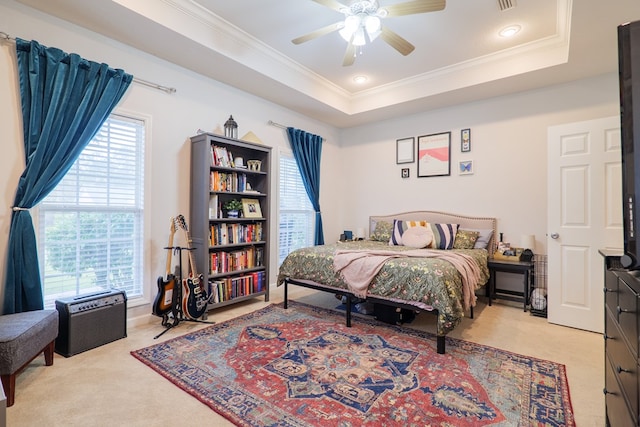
(107, 386)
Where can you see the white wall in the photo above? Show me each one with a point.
(508, 148)
(359, 173)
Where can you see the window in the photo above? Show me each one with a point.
(297, 217)
(90, 232)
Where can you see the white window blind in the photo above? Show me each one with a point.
(297, 217)
(90, 233)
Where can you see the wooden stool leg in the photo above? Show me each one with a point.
(48, 353)
(9, 385)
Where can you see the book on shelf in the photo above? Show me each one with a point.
(235, 233)
(228, 182)
(214, 207)
(221, 157)
(228, 288)
(238, 260)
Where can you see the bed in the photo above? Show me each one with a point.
(434, 283)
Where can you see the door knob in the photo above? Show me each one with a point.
(554, 235)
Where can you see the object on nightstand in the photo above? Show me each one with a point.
(528, 243)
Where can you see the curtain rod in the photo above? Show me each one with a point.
(5, 36)
(278, 125)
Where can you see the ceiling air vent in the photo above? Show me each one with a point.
(506, 4)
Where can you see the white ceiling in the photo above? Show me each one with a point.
(458, 54)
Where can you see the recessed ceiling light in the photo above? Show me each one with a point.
(360, 79)
(510, 31)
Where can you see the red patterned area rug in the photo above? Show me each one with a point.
(303, 367)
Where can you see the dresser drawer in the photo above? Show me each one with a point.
(611, 290)
(622, 363)
(618, 413)
(627, 310)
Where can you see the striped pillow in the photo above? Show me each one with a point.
(399, 227)
(443, 235)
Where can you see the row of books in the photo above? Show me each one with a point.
(233, 287)
(225, 262)
(220, 156)
(233, 233)
(229, 182)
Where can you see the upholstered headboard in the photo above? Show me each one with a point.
(465, 222)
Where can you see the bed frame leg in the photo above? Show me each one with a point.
(348, 310)
(471, 312)
(286, 286)
(440, 344)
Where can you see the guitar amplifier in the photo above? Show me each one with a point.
(89, 321)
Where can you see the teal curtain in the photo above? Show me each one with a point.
(307, 150)
(65, 101)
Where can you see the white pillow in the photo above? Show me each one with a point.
(417, 237)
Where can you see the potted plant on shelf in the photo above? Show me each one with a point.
(233, 208)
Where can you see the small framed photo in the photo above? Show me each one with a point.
(465, 167)
(405, 172)
(465, 140)
(251, 208)
(405, 149)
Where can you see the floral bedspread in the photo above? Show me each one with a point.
(424, 282)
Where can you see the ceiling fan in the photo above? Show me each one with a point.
(363, 23)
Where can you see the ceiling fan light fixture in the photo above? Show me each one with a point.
(351, 25)
(358, 37)
(373, 27)
(355, 27)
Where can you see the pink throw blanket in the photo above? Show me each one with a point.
(359, 267)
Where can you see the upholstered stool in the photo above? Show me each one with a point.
(23, 336)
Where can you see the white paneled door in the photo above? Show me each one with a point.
(584, 190)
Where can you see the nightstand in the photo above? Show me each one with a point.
(518, 267)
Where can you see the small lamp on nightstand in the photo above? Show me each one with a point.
(528, 243)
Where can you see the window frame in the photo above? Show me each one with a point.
(310, 237)
(146, 288)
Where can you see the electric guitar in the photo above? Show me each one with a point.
(166, 284)
(194, 295)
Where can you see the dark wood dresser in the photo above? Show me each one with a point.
(622, 299)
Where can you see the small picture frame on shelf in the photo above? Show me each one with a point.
(251, 208)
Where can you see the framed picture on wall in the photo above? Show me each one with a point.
(465, 167)
(434, 155)
(404, 150)
(465, 140)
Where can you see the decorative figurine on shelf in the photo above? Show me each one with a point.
(231, 128)
(254, 165)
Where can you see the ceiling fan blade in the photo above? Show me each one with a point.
(317, 33)
(332, 4)
(396, 42)
(349, 55)
(413, 7)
